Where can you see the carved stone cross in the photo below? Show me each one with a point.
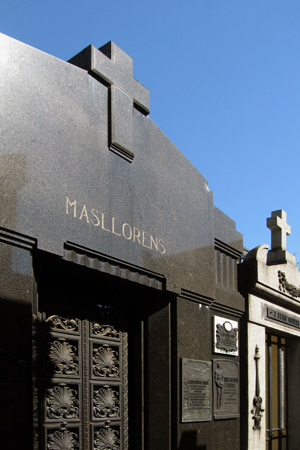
(115, 68)
(279, 229)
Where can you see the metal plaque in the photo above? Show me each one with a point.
(196, 390)
(226, 388)
(283, 317)
(226, 336)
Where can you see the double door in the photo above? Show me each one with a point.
(81, 369)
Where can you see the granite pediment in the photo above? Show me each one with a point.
(70, 175)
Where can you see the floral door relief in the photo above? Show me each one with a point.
(82, 376)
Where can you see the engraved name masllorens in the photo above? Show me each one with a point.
(257, 400)
(114, 226)
(286, 287)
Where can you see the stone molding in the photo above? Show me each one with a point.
(17, 239)
(94, 260)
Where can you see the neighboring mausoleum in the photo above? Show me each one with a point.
(121, 316)
(270, 281)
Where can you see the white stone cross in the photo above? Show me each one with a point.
(279, 229)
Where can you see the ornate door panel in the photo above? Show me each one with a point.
(83, 374)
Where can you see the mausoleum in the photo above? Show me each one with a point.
(270, 331)
(120, 310)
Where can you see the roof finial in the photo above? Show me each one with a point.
(279, 229)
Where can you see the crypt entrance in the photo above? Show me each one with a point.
(91, 341)
(276, 392)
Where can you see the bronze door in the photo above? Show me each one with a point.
(81, 372)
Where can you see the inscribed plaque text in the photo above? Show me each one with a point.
(226, 387)
(226, 336)
(196, 390)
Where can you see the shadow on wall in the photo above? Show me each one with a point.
(15, 375)
(13, 177)
(189, 441)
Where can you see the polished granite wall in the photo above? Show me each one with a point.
(88, 177)
(62, 183)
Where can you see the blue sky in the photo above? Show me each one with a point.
(224, 81)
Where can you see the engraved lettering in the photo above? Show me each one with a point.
(68, 203)
(144, 238)
(94, 213)
(129, 235)
(196, 390)
(113, 227)
(136, 234)
(154, 242)
(284, 318)
(226, 389)
(162, 247)
(103, 219)
(84, 214)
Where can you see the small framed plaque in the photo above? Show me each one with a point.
(196, 390)
(226, 336)
(226, 388)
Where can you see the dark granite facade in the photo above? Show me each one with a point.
(94, 194)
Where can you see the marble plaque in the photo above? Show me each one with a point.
(196, 390)
(283, 317)
(226, 389)
(225, 336)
